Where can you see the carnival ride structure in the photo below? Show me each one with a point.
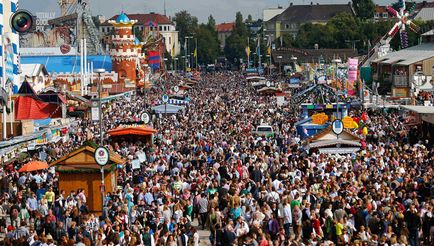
(403, 22)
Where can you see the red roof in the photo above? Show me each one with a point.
(144, 19)
(29, 108)
(380, 9)
(225, 27)
(132, 130)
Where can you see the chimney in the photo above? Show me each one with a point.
(290, 4)
(311, 3)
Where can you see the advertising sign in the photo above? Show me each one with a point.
(102, 156)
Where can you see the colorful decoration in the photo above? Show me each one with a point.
(349, 123)
(402, 23)
(365, 131)
(319, 119)
(364, 116)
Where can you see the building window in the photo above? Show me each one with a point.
(286, 26)
(377, 15)
(161, 28)
(170, 40)
(385, 15)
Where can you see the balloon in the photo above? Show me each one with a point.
(364, 116)
(356, 119)
(355, 125)
(365, 131)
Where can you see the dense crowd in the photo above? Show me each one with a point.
(206, 170)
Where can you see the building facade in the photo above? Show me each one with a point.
(289, 21)
(402, 71)
(155, 22)
(224, 30)
(9, 44)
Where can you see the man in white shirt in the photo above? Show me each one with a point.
(287, 219)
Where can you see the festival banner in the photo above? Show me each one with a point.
(352, 76)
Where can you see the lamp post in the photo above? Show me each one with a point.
(269, 39)
(279, 57)
(336, 61)
(99, 71)
(294, 62)
(176, 63)
(187, 54)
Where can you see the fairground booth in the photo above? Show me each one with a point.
(132, 132)
(78, 170)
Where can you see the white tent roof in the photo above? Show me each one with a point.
(419, 109)
(408, 56)
(169, 109)
(32, 70)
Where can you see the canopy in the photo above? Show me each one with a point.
(132, 130)
(169, 109)
(30, 108)
(33, 166)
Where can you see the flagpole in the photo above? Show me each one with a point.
(196, 54)
(248, 52)
(3, 64)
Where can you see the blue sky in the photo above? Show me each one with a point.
(222, 10)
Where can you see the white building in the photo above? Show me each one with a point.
(160, 23)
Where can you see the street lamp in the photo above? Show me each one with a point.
(269, 39)
(336, 61)
(99, 71)
(279, 57)
(294, 62)
(176, 64)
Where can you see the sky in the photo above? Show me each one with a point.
(222, 10)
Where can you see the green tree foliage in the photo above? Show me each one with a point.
(236, 43)
(364, 9)
(240, 26)
(211, 23)
(207, 43)
(186, 24)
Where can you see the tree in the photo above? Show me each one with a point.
(236, 43)
(364, 9)
(344, 27)
(240, 26)
(186, 24)
(207, 45)
(211, 23)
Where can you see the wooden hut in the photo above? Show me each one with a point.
(78, 170)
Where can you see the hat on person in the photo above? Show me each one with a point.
(10, 228)
(49, 237)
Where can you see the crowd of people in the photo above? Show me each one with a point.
(208, 172)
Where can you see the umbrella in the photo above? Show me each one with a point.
(33, 166)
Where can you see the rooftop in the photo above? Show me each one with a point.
(408, 56)
(142, 19)
(225, 27)
(312, 12)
